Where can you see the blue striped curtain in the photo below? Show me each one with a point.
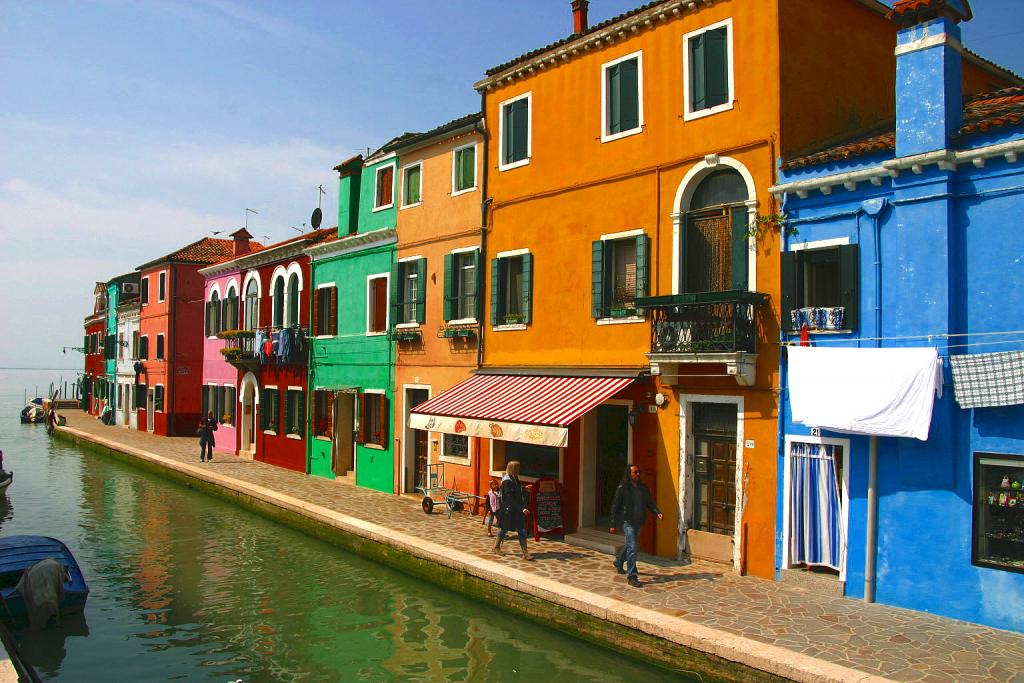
(815, 533)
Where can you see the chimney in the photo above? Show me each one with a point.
(241, 238)
(929, 95)
(579, 16)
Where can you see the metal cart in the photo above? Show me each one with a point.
(432, 486)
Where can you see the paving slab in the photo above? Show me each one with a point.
(775, 627)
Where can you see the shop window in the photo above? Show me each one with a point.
(270, 411)
(455, 447)
(820, 288)
(323, 414)
(999, 511)
(295, 412)
(535, 461)
(373, 419)
(511, 289)
(377, 304)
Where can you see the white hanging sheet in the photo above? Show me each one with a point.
(882, 392)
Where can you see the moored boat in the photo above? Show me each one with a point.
(5, 480)
(17, 555)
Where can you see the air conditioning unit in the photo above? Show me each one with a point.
(129, 288)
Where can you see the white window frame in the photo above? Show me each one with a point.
(360, 417)
(633, 319)
(387, 307)
(502, 166)
(455, 169)
(844, 512)
(471, 450)
(161, 276)
(144, 285)
(164, 394)
(402, 185)
(498, 473)
(278, 404)
(512, 253)
(689, 115)
(376, 183)
(160, 336)
(465, 250)
(605, 135)
(406, 325)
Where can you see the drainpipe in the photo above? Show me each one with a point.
(169, 351)
(780, 430)
(873, 208)
(485, 204)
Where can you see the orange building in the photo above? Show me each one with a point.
(436, 294)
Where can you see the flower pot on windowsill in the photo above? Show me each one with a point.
(621, 312)
(515, 319)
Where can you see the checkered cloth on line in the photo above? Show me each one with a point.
(984, 380)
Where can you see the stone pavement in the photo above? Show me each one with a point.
(782, 629)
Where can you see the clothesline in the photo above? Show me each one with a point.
(936, 346)
(937, 335)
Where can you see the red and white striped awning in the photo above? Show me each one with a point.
(525, 408)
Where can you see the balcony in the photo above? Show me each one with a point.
(706, 327)
(252, 349)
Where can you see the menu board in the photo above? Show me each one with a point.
(547, 509)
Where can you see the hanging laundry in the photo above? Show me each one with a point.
(986, 380)
(883, 392)
(284, 345)
(258, 345)
(299, 345)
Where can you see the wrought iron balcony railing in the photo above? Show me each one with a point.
(705, 322)
(253, 348)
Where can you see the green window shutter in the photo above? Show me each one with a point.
(206, 328)
(698, 88)
(449, 287)
(630, 94)
(849, 285)
(397, 294)
(517, 130)
(206, 400)
(527, 287)
(421, 290)
(288, 399)
(597, 279)
(643, 250)
(477, 286)
(301, 405)
(716, 67)
(496, 303)
(790, 263)
(467, 168)
(740, 227)
(264, 409)
(615, 98)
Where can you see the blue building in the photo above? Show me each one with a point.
(909, 238)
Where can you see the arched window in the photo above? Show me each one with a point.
(714, 247)
(278, 302)
(213, 316)
(293, 300)
(230, 318)
(252, 305)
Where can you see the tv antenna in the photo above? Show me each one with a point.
(247, 212)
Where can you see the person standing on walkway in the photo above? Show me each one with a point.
(207, 426)
(514, 508)
(631, 503)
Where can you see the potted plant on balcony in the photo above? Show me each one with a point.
(232, 353)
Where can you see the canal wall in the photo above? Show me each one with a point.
(652, 636)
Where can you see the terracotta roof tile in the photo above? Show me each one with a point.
(981, 113)
(206, 251)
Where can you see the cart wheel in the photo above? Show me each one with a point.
(428, 504)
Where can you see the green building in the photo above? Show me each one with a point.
(352, 355)
(122, 288)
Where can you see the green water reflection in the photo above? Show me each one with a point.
(186, 586)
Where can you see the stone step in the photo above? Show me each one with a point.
(592, 539)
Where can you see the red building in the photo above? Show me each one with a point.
(94, 385)
(270, 350)
(171, 337)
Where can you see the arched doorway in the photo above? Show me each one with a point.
(250, 400)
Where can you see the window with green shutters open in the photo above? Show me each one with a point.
(464, 169)
(515, 124)
(622, 94)
(511, 289)
(408, 296)
(707, 70)
(270, 410)
(295, 413)
(821, 288)
(619, 270)
(412, 185)
(461, 286)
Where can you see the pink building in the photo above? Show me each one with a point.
(222, 295)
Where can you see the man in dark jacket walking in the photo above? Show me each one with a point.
(207, 426)
(631, 502)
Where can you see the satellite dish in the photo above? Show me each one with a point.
(316, 218)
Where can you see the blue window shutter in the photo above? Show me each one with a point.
(597, 279)
(739, 247)
(397, 294)
(421, 290)
(698, 94)
(629, 101)
(789, 300)
(497, 305)
(527, 287)
(716, 67)
(849, 285)
(642, 264)
(449, 287)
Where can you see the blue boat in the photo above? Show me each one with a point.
(18, 553)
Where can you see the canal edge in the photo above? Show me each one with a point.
(664, 640)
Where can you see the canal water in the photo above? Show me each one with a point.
(185, 586)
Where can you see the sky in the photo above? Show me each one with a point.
(131, 128)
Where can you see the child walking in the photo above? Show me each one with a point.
(493, 503)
